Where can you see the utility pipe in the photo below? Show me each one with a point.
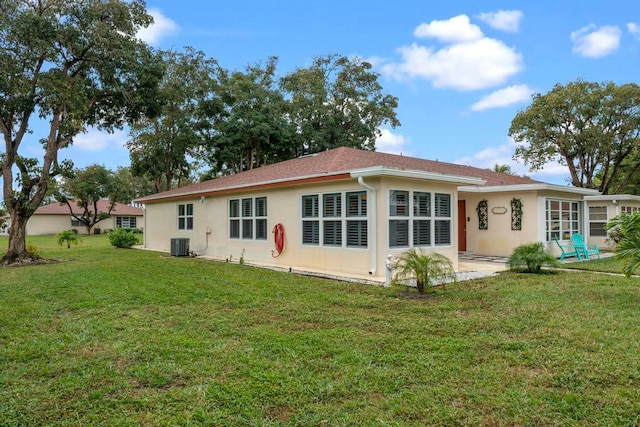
(374, 225)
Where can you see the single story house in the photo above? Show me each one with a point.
(602, 209)
(345, 211)
(56, 217)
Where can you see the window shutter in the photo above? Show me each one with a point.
(442, 205)
(442, 232)
(357, 233)
(421, 232)
(398, 233)
(311, 232)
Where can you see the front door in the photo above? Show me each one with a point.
(462, 225)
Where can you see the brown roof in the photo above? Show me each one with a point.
(103, 206)
(336, 164)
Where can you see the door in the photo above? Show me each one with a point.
(462, 225)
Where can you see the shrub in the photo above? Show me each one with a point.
(628, 248)
(121, 238)
(530, 258)
(425, 269)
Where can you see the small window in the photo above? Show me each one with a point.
(75, 222)
(185, 216)
(399, 204)
(332, 206)
(598, 221)
(234, 221)
(398, 233)
(310, 226)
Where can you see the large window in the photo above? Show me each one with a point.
(597, 221)
(418, 218)
(185, 216)
(325, 217)
(126, 222)
(562, 219)
(248, 218)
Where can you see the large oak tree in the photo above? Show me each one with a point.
(592, 128)
(72, 64)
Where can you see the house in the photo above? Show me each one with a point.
(344, 211)
(55, 217)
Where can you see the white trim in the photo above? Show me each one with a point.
(373, 224)
(613, 198)
(403, 173)
(529, 187)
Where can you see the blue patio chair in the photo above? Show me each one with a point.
(581, 246)
(568, 250)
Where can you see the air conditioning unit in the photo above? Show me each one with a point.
(179, 247)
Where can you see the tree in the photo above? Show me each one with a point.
(74, 64)
(160, 146)
(68, 237)
(502, 169)
(425, 269)
(252, 129)
(589, 127)
(133, 186)
(84, 188)
(337, 101)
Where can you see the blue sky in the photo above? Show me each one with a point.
(461, 69)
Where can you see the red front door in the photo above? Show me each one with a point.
(462, 225)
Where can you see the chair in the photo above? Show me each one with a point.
(581, 246)
(568, 250)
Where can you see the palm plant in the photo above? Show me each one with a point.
(68, 236)
(426, 269)
(530, 258)
(628, 248)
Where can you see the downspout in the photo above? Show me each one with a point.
(374, 225)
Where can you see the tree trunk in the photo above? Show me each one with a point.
(17, 251)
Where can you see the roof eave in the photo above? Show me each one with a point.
(613, 197)
(415, 174)
(528, 187)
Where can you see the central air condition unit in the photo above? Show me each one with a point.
(180, 247)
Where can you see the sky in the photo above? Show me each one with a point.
(461, 70)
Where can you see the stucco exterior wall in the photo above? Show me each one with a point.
(614, 208)
(53, 224)
(210, 234)
(499, 239)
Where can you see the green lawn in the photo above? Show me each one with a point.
(126, 337)
(609, 265)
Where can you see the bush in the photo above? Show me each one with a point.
(531, 257)
(122, 238)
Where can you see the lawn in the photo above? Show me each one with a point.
(608, 265)
(128, 337)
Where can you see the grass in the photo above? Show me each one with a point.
(608, 265)
(125, 337)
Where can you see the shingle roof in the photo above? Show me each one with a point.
(337, 162)
(103, 206)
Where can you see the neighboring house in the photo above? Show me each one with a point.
(603, 208)
(345, 210)
(55, 217)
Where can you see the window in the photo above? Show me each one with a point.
(185, 216)
(75, 222)
(356, 219)
(562, 219)
(261, 218)
(597, 221)
(126, 222)
(398, 225)
(248, 218)
(234, 221)
(629, 209)
(310, 223)
(330, 221)
(442, 224)
(419, 218)
(332, 229)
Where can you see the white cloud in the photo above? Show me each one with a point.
(593, 42)
(504, 97)
(94, 140)
(161, 27)
(468, 60)
(455, 30)
(474, 65)
(634, 29)
(504, 20)
(552, 172)
(389, 142)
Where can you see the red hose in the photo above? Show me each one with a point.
(278, 238)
